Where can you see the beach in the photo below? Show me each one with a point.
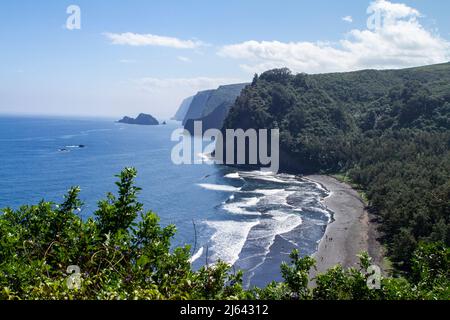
(352, 231)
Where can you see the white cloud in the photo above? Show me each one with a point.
(184, 59)
(392, 10)
(348, 19)
(398, 41)
(136, 39)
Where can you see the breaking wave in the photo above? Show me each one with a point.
(264, 207)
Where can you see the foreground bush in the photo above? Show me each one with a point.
(123, 253)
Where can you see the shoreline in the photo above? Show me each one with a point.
(352, 230)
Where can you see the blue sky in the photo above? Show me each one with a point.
(133, 56)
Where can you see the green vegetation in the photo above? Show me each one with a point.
(119, 258)
(123, 253)
(386, 131)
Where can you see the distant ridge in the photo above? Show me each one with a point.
(214, 120)
(197, 105)
(183, 109)
(212, 106)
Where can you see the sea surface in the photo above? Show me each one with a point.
(249, 219)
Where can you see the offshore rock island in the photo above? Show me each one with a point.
(142, 119)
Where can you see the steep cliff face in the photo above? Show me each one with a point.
(183, 109)
(214, 120)
(197, 105)
(223, 96)
(215, 108)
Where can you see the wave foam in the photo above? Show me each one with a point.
(241, 206)
(275, 196)
(229, 238)
(204, 156)
(197, 255)
(271, 177)
(234, 175)
(279, 223)
(218, 187)
(326, 212)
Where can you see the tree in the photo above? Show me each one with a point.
(134, 260)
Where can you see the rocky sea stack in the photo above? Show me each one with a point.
(142, 119)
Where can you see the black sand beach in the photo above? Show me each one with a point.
(351, 232)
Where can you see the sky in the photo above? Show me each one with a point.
(119, 58)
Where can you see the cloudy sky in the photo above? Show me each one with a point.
(146, 56)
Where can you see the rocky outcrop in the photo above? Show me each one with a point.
(142, 119)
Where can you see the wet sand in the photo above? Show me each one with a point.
(352, 231)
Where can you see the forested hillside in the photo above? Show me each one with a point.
(388, 131)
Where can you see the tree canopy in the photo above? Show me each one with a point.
(386, 131)
(123, 253)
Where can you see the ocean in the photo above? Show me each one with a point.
(249, 219)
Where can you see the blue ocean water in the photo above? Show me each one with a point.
(250, 219)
